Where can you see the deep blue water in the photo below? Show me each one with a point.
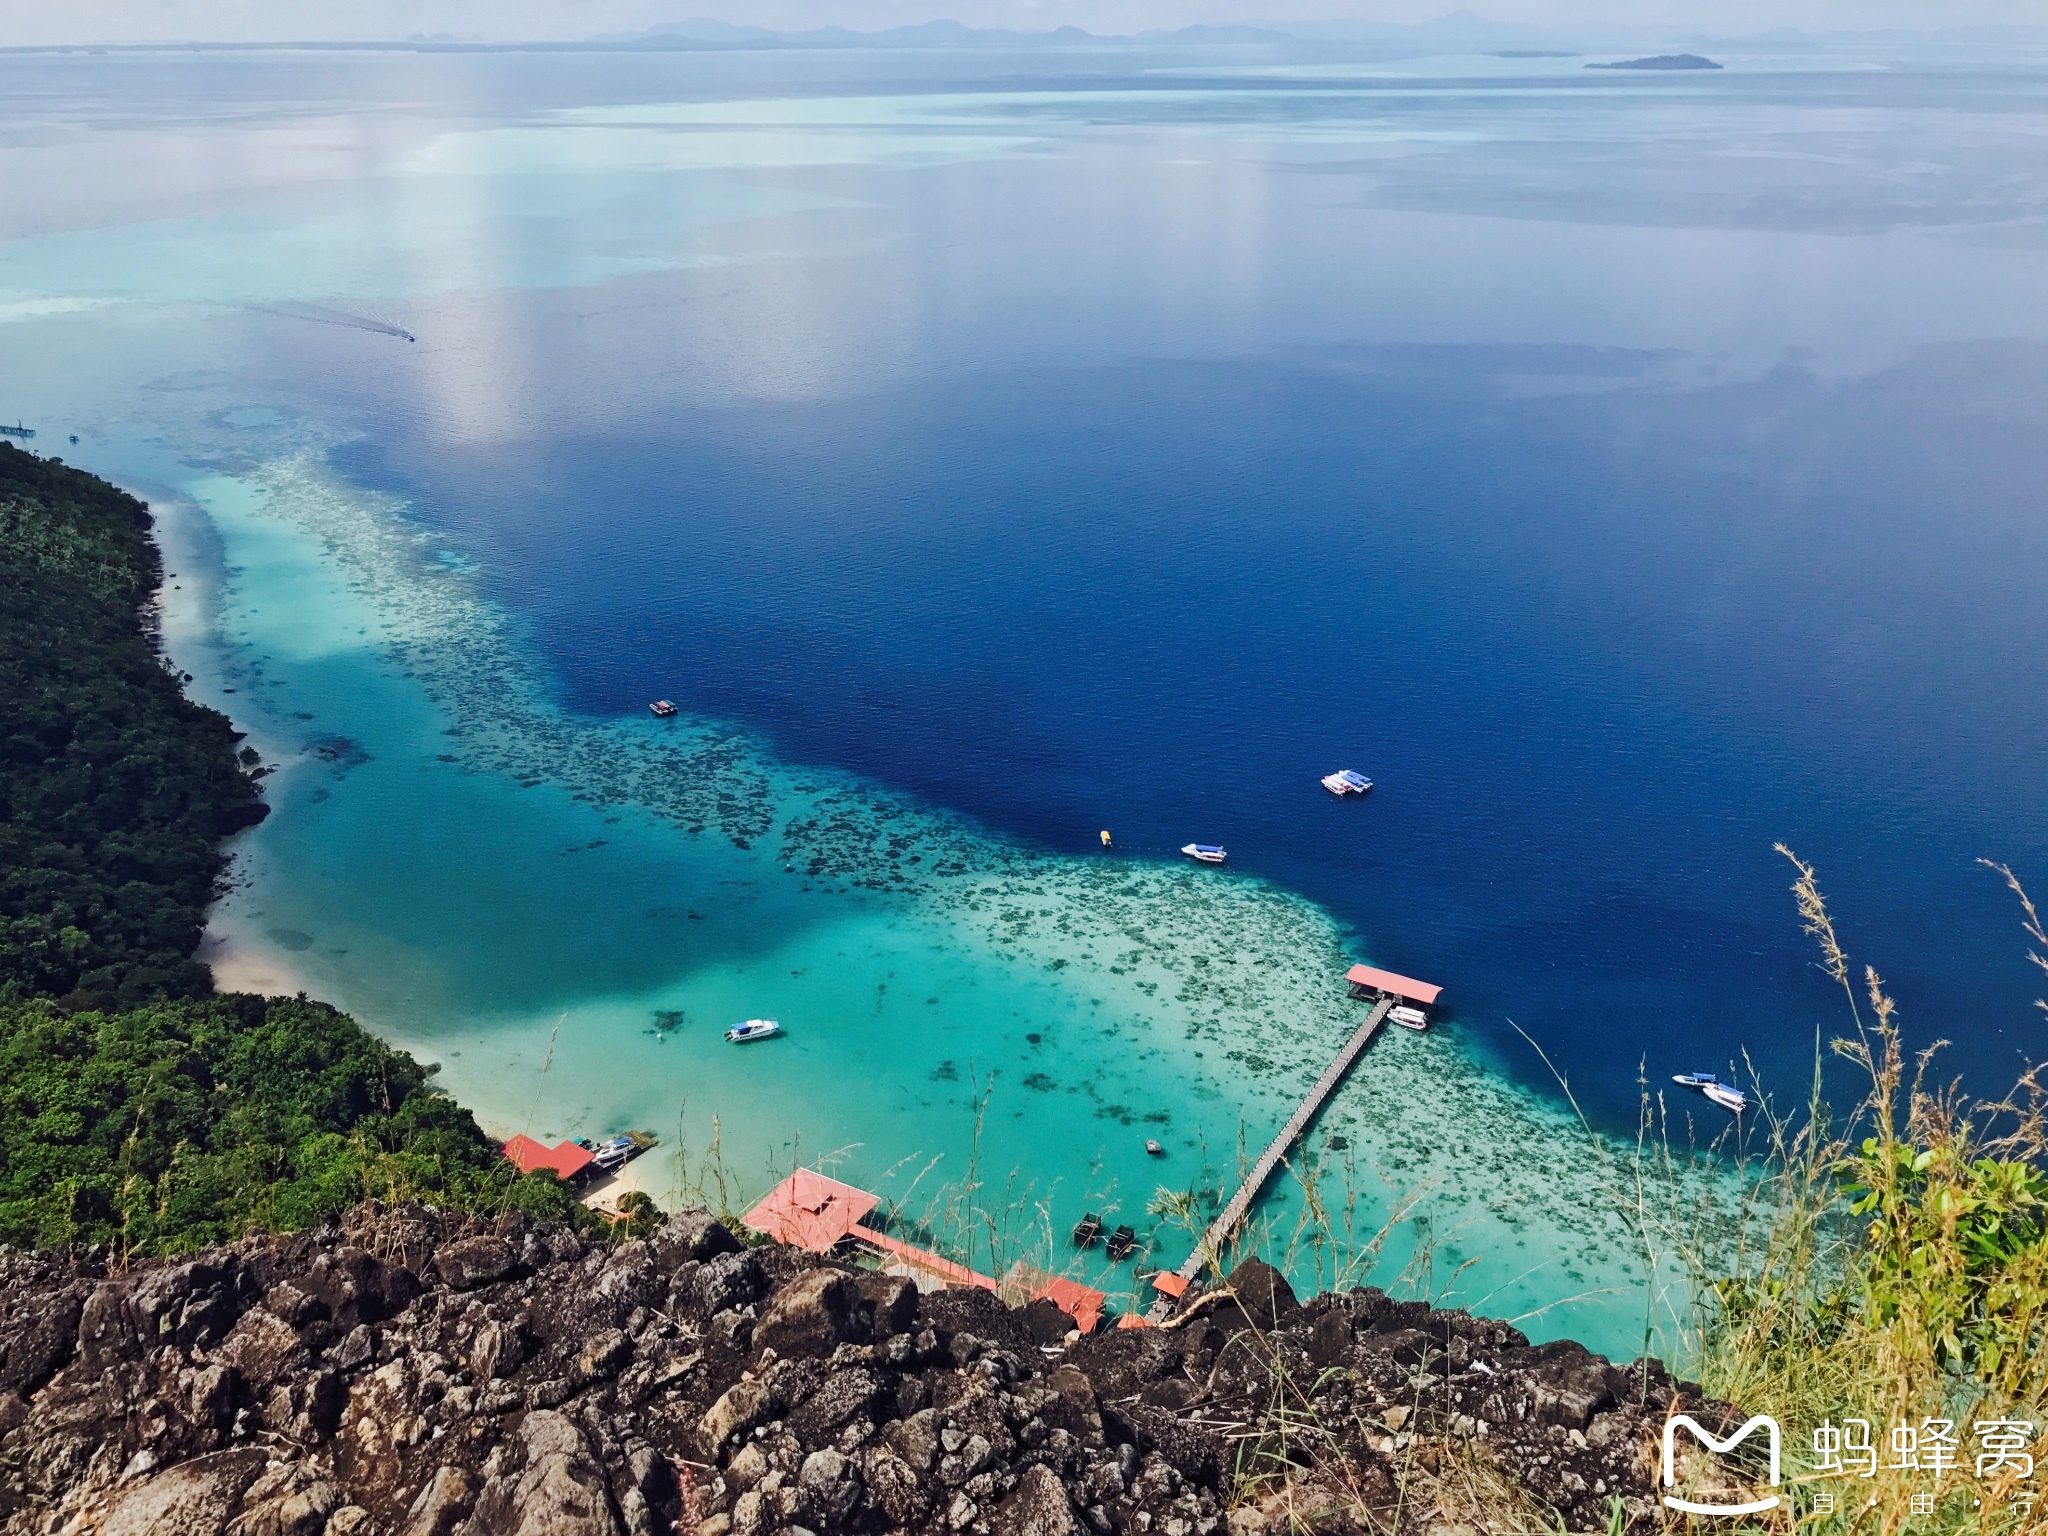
(1626, 473)
(1599, 649)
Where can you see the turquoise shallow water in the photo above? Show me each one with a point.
(566, 913)
(891, 412)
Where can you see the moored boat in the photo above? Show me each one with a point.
(1734, 1100)
(1123, 1242)
(753, 1029)
(1693, 1079)
(1207, 853)
(1409, 1017)
(662, 709)
(1153, 1148)
(1087, 1230)
(1346, 781)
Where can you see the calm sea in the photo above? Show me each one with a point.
(1627, 472)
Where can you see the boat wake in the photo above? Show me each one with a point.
(320, 314)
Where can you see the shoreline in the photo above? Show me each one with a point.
(515, 893)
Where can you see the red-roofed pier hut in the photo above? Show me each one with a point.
(810, 1211)
(1412, 999)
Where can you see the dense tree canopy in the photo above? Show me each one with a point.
(188, 1122)
(136, 1108)
(115, 789)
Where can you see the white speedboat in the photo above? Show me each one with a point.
(1207, 853)
(1693, 1079)
(1346, 781)
(1409, 1017)
(1734, 1100)
(753, 1029)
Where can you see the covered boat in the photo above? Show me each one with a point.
(1734, 1100)
(662, 708)
(1207, 853)
(753, 1029)
(1346, 781)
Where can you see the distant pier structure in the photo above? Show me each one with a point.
(1387, 991)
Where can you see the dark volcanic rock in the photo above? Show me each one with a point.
(416, 1373)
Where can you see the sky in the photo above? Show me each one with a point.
(42, 22)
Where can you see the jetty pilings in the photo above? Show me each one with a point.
(1220, 1230)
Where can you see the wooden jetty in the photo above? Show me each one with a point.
(1223, 1226)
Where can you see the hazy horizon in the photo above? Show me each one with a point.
(37, 23)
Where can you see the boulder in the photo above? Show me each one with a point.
(1038, 1506)
(195, 1498)
(1262, 1293)
(694, 1234)
(722, 1283)
(603, 1356)
(828, 1486)
(39, 1337)
(475, 1261)
(812, 1315)
(259, 1348)
(1048, 1324)
(356, 1287)
(743, 1406)
(890, 1302)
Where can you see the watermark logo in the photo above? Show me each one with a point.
(1719, 1448)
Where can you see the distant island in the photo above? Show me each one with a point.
(1662, 61)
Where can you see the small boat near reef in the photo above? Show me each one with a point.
(1086, 1230)
(1153, 1149)
(1693, 1079)
(1347, 781)
(1207, 853)
(1409, 1017)
(1734, 1100)
(662, 709)
(1123, 1242)
(753, 1029)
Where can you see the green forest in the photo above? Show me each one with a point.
(137, 1108)
(116, 788)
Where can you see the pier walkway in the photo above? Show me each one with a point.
(1223, 1226)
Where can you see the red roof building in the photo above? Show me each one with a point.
(564, 1160)
(809, 1211)
(1366, 978)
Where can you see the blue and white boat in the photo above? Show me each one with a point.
(1207, 853)
(1346, 781)
(1734, 1100)
(1727, 1095)
(753, 1029)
